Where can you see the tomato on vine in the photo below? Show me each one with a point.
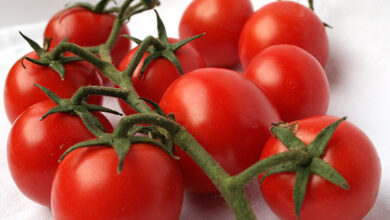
(34, 147)
(293, 80)
(226, 113)
(87, 185)
(283, 22)
(20, 92)
(86, 27)
(349, 152)
(222, 21)
(160, 72)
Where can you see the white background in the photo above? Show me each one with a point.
(358, 71)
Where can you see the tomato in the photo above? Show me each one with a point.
(350, 152)
(20, 92)
(87, 185)
(293, 79)
(35, 146)
(283, 22)
(226, 113)
(222, 21)
(160, 73)
(86, 28)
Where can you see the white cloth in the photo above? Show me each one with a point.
(358, 71)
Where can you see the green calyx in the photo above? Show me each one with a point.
(77, 107)
(46, 60)
(304, 169)
(161, 47)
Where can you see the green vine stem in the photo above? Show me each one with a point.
(232, 188)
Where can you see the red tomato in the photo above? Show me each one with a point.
(228, 115)
(160, 73)
(283, 22)
(35, 146)
(86, 28)
(87, 185)
(20, 92)
(222, 21)
(293, 79)
(350, 152)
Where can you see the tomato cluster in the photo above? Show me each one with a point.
(282, 49)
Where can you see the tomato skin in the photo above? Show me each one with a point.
(87, 185)
(160, 73)
(86, 28)
(34, 147)
(350, 152)
(20, 92)
(226, 113)
(293, 79)
(222, 21)
(283, 22)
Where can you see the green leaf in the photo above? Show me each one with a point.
(301, 180)
(317, 147)
(169, 55)
(147, 61)
(178, 45)
(35, 61)
(94, 142)
(57, 109)
(34, 45)
(58, 67)
(156, 107)
(136, 40)
(162, 34)
(287, 137)
(50, 94)
(98, 108)
(327, 172)
(121, 147)
(90, 121)
(65, 60)
(281, 168)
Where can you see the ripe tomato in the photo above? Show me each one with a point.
(350, 152)
(35, 146)
(283, 22)
(222, 21)
(160, 73)
(20, 92)
(293, 79)
(228, 115)
(87, 185)
(86, 28)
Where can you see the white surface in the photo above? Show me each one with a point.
(358, 71)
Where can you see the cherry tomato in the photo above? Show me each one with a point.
(226, 113)
(350, 152)
(293, 79)
(86, 28)
(35, 146)
(283, 22)
(222, 21)
(20, 92)
(87, 185)
(160, 73)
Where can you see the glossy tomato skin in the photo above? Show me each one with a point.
(86, 28)
(35, 146)
(283, 22)
(222, 21)
(350, 152)
(20, 92)
(160, 73)
(226, 113)
(87, 185)
(293, 80)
